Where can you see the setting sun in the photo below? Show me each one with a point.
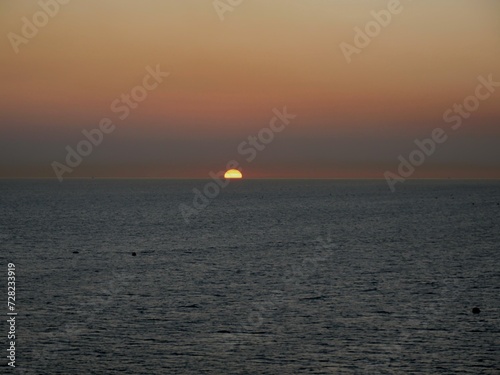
(233, 173)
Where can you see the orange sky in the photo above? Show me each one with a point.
(353, 120)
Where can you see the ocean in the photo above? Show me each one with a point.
(271, 277)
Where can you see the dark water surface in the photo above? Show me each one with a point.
(273, 277)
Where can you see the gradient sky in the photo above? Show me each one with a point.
(353, 120)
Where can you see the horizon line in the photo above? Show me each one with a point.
(257, 178)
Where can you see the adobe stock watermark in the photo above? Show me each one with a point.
(48, 356)
(121, 106)
(223, 6)
(31, 27)
(296, 274)
(450, 294)
(364, 36)
(454, 116)
(249, 149)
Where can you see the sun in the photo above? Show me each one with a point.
(233, 173)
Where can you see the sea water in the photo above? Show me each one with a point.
(271, 277)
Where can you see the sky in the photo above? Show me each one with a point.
(230, 70)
